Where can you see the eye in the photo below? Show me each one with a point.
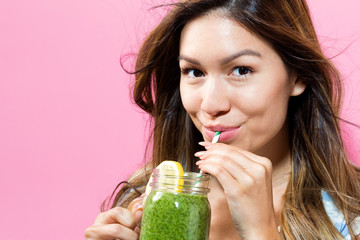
(241, 71)
(192, 72)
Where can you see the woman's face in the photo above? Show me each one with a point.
(234, 82)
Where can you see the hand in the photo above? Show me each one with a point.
(247, 182)
(117, 223)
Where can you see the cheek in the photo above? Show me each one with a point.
(267, 102)
(191, 102)
(190, 99)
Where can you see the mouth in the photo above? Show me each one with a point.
(227, 132)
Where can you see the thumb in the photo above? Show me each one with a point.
(136, 207)
(138, 215)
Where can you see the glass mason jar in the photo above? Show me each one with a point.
(177, 207)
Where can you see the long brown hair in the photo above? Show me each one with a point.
(319, 161)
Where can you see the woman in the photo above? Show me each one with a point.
(254, 70)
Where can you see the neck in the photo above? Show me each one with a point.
(278, 152)
(281, 172)
(280, 179)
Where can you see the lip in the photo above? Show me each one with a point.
(227, 132)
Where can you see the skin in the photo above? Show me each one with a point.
(249, 92)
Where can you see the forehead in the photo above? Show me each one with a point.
(216, 32)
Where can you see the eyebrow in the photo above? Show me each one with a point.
(245, 52)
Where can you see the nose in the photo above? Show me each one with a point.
(215, 97)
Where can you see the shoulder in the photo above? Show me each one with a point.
(337, 217)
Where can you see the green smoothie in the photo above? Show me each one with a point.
(175, 216)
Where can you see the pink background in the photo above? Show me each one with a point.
(68, 132)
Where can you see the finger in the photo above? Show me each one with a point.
(243, 169)
(225, 160)
(225, 148)
(137, 230)
(205, 144)
(136, 204)
(110, 231)
(219, 165)
(138, 216)
(249, 161)
(236, 182)
(227, 180)
(116, 215)
(247, 172)
(136, 207)
(225, 154)
(256, 158)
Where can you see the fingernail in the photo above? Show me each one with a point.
(204, 143)
(138, 206)
(138, 215)
(199, 154)
(207, 147)
(199, 162)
